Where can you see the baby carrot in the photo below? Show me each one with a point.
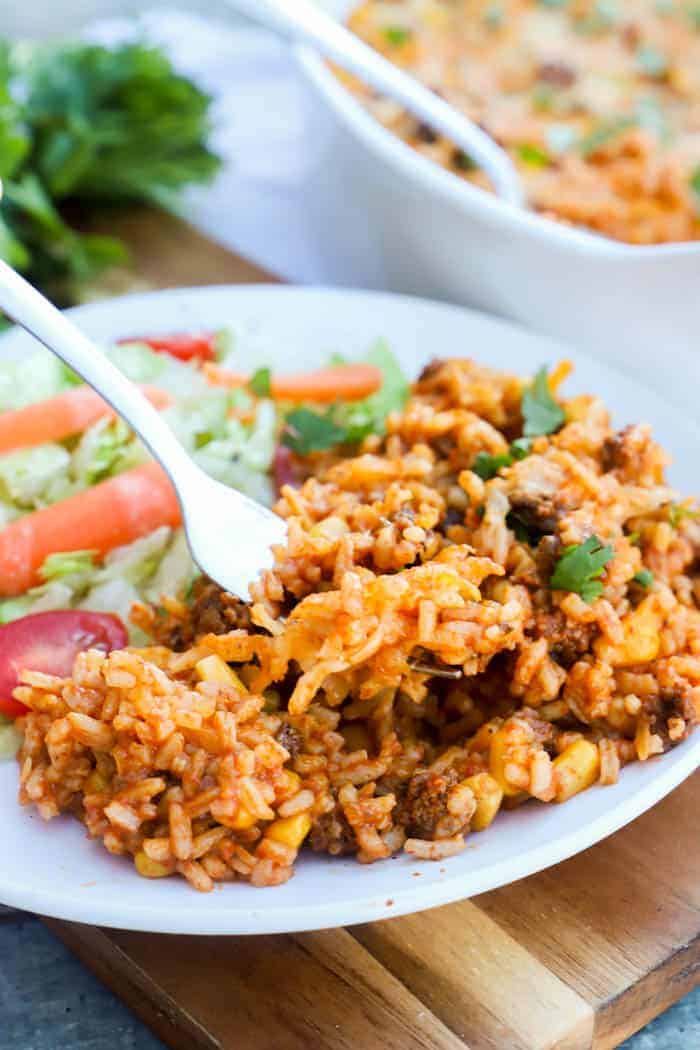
(113, 513)
(61, 416)
(339, 383)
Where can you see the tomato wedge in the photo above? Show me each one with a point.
(49, 642)
(198, 347)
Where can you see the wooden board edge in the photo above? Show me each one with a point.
(627, 1013)
(132, 985)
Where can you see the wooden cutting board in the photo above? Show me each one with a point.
(579, 956)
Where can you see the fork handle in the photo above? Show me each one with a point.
(25, 305)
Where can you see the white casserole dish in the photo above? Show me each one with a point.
(439, 236)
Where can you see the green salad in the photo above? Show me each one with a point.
(234, 432)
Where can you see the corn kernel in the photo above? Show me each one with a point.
(641, 641)
(95, 783)
(243, 820)
(289, 784)
(214, 669)
(499, 759)
(152, 869)
(575, 769)
(290, 831)
(489, 795)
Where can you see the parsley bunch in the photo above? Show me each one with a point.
(86, 124)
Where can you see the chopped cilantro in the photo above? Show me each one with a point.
(306, 431)
(650, 61)
(605, 133)
(487, 466)
(644, 578)
(554, 3)
(260, 382)
(579, 568)
(521, 448)
(677, 512)
(541, 413)
(532, 155)
(694, 15)
(633, 538)
(397, 36)
(543, 98)
(695, 181)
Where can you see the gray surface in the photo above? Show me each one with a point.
(49, 1000)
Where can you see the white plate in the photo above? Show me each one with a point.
(55, 870)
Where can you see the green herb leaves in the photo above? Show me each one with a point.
(487, 466)
(307, 431)
(260, 382)
(677, 512)
(644, 578)
(86, 123)
(579, 568)
(695, 182)
(350, 422)
(397, 36)
(541, 413)
(532, 155)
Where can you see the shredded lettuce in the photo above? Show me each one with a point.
(141, 364)
(155, 565)
(73, 563)
(361, 418)
(106, 448)
(198, 420)
(29, 476)
(34, 378)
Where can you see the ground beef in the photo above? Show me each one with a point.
(290, 739)
(546, 556)
(332, 834)
(212, 611)
(431, 369)
(425, 802)
(538, 514)
(215, 611)
(567, 641)
(558, 74)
